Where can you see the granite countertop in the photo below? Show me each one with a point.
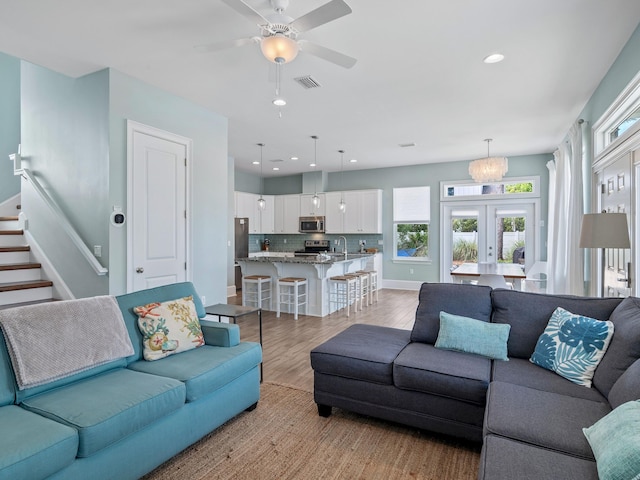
(333, 258)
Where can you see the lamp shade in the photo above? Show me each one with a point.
(604, 230)
(279, 47)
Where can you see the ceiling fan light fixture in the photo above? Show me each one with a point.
(279, 49)
(279, 102)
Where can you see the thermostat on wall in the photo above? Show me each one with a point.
(117, 217)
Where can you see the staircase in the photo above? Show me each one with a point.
(20, 279)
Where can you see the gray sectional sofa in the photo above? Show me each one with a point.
(120, 418)
(529, 419)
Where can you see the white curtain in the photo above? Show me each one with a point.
(565, 259)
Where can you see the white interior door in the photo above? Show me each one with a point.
(157, 209)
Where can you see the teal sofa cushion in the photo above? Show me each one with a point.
(106, 408)
(464, 334)
(159, 294)
(615, 441)
(205, 369)
(33, 446)
(7, 379)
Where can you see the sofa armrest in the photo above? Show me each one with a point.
(220, 334)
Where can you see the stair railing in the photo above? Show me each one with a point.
(18, 169)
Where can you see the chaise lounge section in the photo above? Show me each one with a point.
(530, 419)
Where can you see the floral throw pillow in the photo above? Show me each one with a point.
(573, 345)
(169, 327)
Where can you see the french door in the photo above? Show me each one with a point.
(491, 231)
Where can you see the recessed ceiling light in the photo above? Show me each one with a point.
(255, 162)
(294, 158)
(353, 160)
(312, 164)
(279, 102)
(493, 58)
(276, 168)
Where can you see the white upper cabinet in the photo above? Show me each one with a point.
(287, 213)
(363, 211)
(334, 218)
(307, 209)
(260, 221)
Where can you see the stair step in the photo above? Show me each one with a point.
(10, 287)
(20, 248)
(19, 266)
(20, 272)
(9, 224)
(12, 257)
(11, 232)
(29, 291)
(24, 304)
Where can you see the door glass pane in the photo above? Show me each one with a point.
(510, 236)
(464, 237)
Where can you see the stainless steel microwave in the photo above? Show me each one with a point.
(311, 224)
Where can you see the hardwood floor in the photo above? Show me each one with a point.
(287, 342)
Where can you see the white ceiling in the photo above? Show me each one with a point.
(419, 77)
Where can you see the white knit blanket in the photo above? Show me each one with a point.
(47, 342)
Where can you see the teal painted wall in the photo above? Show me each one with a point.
(9, 123)
(421, 175)
(65, 143)
(135, 100)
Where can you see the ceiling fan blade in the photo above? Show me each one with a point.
(327, 54)
(321, 15)
(247, 11)
(218, 46)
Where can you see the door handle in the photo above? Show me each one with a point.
(139, 270)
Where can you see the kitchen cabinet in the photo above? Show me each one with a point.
(287, 213)
(334, 218)
(307, 209)
(363, 213)
(260, 221)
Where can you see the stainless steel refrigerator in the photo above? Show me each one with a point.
(241, 246)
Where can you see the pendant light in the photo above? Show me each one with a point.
(342, 206)
(261, 201)
(489, 169)
(315, 199)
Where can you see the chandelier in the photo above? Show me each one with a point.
(489, 169)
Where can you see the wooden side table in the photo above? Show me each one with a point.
(233, 312)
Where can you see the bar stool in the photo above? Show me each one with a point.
(362, 287)
(373, 284)
(256, 289)
(342, 292)
(291, 291)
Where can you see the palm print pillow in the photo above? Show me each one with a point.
(572, 346)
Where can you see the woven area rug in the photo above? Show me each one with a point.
(284, 438)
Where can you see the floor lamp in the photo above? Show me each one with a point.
(604, 230)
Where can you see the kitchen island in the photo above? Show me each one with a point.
(316, 270)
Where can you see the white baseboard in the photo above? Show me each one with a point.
(231, 291)
(60, 289)
(8, 208)
(402, 284)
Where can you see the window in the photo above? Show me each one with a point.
(520, 187)
(411, 216)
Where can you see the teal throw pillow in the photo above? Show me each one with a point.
(573, 345)
(615, 441)
(464, 334)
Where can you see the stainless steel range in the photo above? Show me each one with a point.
(313, 248)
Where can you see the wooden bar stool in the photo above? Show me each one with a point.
(342, 292)
(292, 292)
(373, 284)
(362, 292)
(256, 289)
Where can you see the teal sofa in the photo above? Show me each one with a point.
(123, 418)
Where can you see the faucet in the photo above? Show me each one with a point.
(344, 250)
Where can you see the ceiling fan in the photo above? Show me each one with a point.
(279, 40)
